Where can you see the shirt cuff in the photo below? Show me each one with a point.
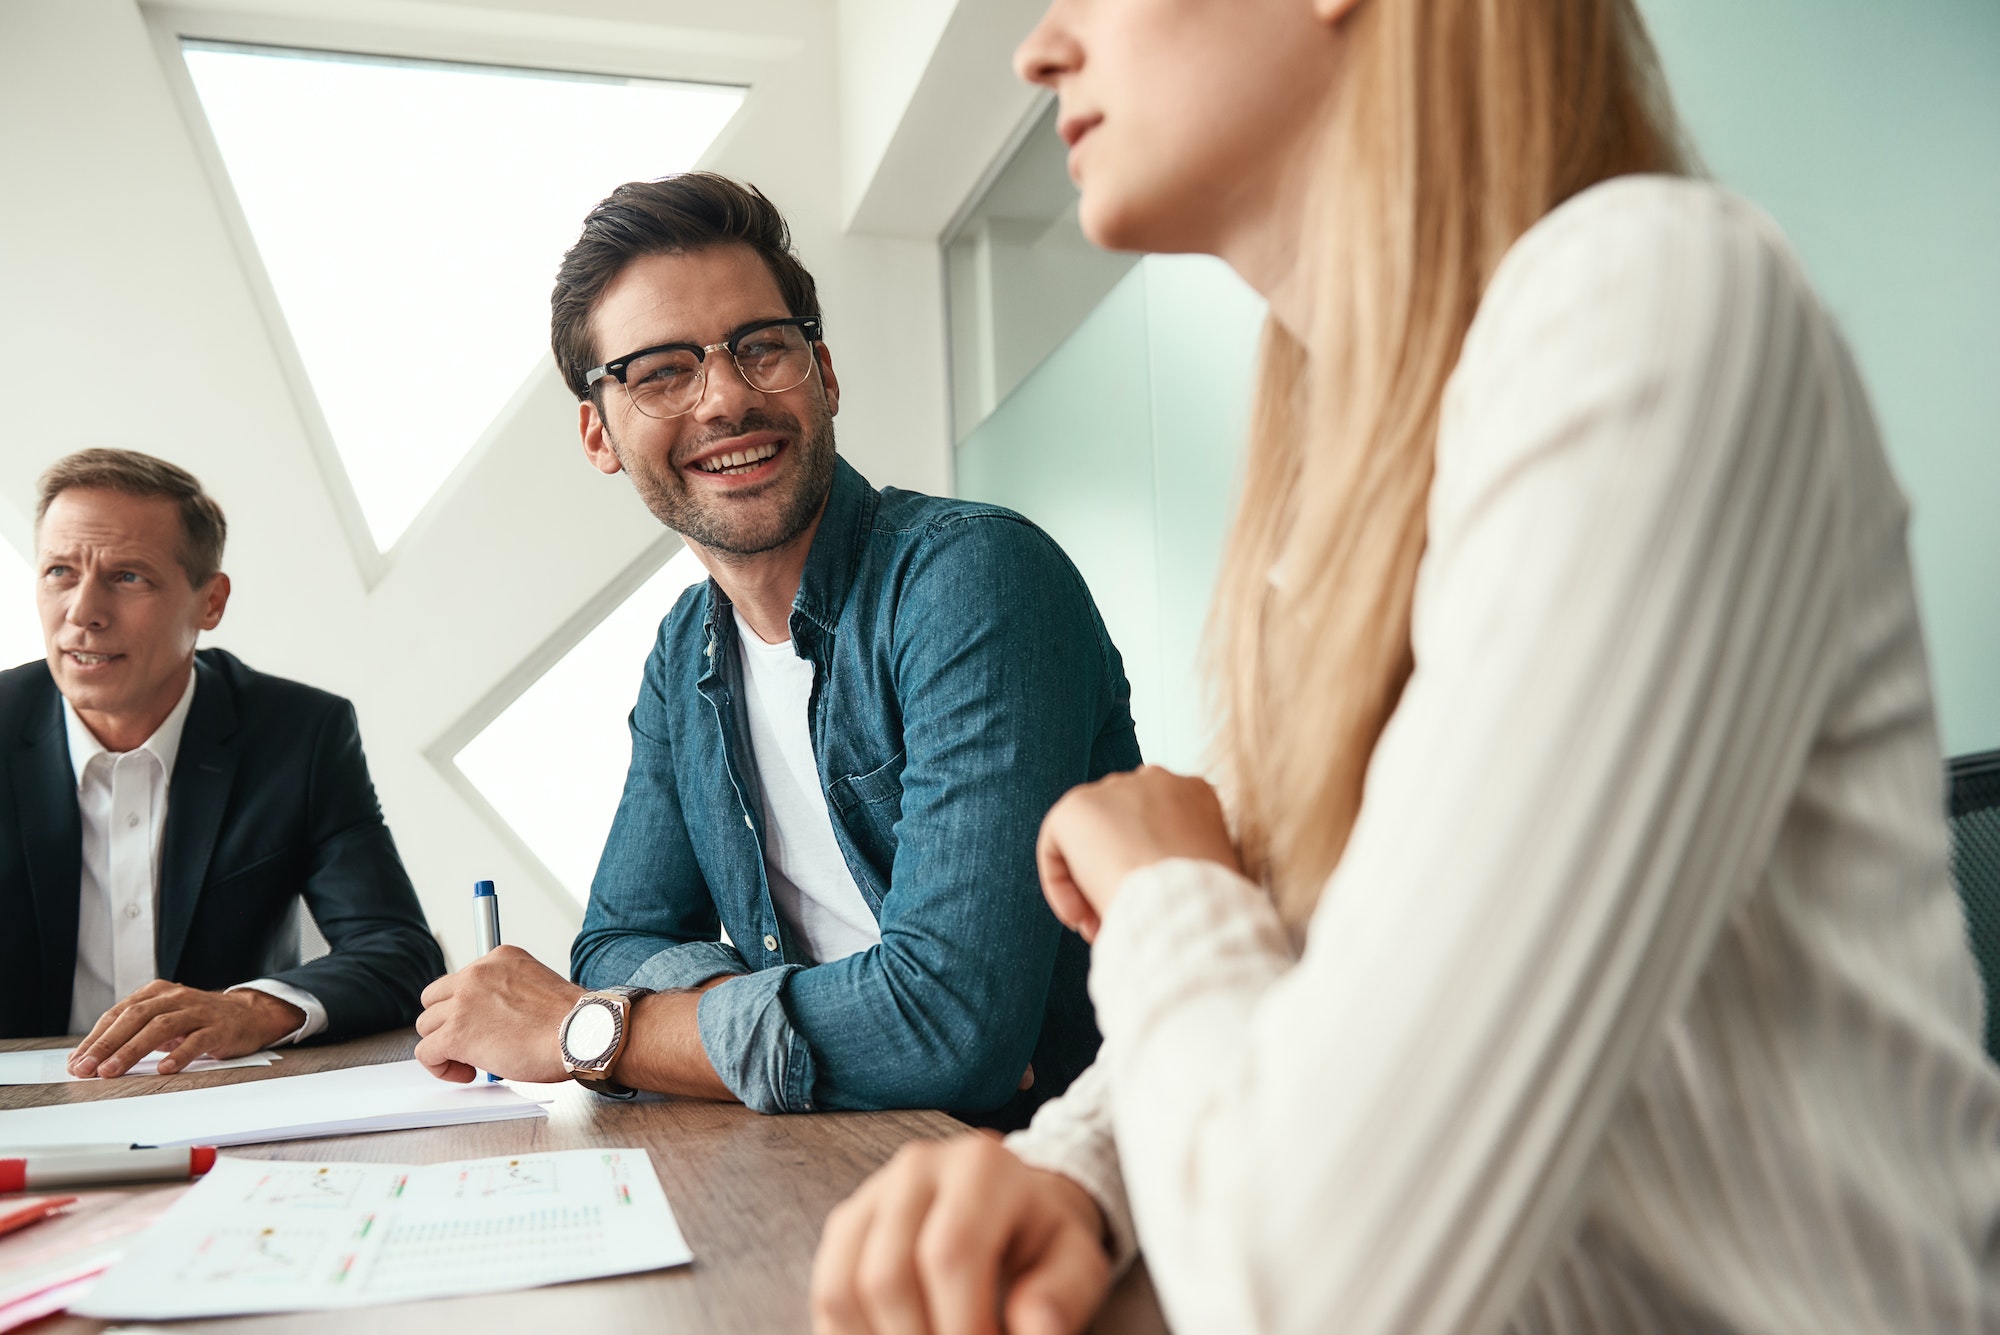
(305, 1001)
(1177, 930)
(689, 964)
(1072, 1135)
(750, 1041)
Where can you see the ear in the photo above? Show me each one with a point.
(828, 379)
(596, 441)
(214, 601)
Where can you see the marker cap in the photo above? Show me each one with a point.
(482, 887)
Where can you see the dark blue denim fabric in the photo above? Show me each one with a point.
(963, 680)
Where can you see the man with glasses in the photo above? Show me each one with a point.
(820, 889)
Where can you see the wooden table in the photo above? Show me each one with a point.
(750, 1192)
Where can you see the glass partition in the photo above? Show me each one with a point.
(1019, 276)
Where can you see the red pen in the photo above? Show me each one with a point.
(100, 1168)
(34, 1211)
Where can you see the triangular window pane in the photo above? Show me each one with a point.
(553, 763)
(20, 621)
(411, 214)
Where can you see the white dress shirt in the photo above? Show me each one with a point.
(122, 799)
(1641, 999)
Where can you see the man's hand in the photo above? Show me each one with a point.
(1099, 833)
(500, 1014)
(959, 1237)
(185, 1024)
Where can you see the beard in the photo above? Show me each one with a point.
(724, 526)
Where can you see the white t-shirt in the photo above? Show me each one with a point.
(811, 886)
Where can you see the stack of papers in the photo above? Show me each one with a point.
(267, 1236)
(50, 1066)
(45, 1268)
(398, 1096)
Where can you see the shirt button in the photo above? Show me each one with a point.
(770, 943)
(747, 822)
(132, 821)
(131, 910)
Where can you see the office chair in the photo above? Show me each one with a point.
(1975, 865)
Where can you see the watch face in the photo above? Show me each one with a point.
(590, 1033)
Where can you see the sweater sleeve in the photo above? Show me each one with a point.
(1072, 1135)
(1624, 634)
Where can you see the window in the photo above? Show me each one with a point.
(553, 763)
(20, 625)
(410, 216)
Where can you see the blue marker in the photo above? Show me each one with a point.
(486, 920)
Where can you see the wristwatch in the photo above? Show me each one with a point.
(593, 1034)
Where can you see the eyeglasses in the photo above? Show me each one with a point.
(668, 381)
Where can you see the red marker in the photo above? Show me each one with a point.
(103, 1168)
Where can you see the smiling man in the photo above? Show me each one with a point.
(165, 810)
(820, 888)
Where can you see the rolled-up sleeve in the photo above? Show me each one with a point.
(752, 1044)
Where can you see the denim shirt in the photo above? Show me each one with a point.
(962, 681)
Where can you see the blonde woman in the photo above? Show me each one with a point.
(1578, 954)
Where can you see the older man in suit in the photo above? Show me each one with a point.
(164, 811)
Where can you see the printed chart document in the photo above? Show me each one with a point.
(50, 1066)
(269, 1236)
(396, 1096)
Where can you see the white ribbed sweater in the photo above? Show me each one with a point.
(1641, 999)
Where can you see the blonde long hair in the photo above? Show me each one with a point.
(1459, 124)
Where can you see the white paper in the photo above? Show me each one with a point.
(50, 1066)
(398, 1096)
(267, 1236)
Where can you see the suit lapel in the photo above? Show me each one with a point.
(52, 839)
(203, 772)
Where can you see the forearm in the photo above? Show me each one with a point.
(665, 1052)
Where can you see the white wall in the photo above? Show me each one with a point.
(117, 240)
(885, 46)
(928, 102)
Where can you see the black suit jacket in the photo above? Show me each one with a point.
(270, 802)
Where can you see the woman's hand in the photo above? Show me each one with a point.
(959, 1237)
(1100, 832)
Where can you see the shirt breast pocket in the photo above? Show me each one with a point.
(868, 807)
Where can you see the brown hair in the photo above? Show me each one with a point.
(1459, 125)
(203, 529)
(670, 216)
